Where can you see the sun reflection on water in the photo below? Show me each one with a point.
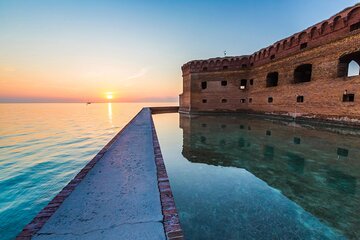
(110, 114)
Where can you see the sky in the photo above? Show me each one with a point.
(132, 51)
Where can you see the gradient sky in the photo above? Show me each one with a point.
(69, 50)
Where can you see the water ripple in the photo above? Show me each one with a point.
(43, 146)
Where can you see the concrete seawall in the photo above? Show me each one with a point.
(122, 193)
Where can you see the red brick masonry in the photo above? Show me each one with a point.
(171, 221)
(171, 218)
(268, 81)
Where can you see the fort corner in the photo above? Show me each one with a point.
(304, 75)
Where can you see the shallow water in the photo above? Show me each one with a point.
(250, 178)
(43, 146)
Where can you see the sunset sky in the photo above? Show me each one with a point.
(73, 51)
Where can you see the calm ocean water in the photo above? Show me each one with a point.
(43, 146)
(241, 177)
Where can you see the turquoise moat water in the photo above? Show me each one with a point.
(241, 177)
(43, 146)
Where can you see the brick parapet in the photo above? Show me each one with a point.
(161, 110)
(334, 28)
(172, 227)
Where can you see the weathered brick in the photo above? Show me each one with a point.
(322, 96)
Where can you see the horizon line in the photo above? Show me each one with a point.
(99, 102)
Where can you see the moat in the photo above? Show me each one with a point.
(241, 177)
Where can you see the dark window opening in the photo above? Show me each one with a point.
(251, 81)
(241, 142)
(204, 100)
(303, 73)
(296, 163)
(223, 100)
(348, 97)
(242, 100)
(347, 182)
(251, 64)
(204, 125)
(225, 67)
(203, 85)
(300, 99)
(349, 65)
(268, 152)
(243, 83)
(272, 79)
(303, 46)
(203, 139)
(272, 57)
(342, 152)
(354, 26)
(205, 69)
(244, 65)
(297, 140)
(270, 100)
(223, 126)
(241, 126)
(223, 83)
(250, 100)
(268, 133)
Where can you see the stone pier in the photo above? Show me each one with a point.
(123, 193)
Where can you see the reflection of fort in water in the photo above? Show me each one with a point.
(317, 169)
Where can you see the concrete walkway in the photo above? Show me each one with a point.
(119, 197)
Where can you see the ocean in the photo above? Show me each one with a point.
(44, 145)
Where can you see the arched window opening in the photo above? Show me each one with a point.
(303, 73)
(314, 33)
(325, 28)
(349, 65)
(303, 45)
(353, 69)
(272, 79)
(223, 100)
(285, 44)
(278, 47)
(355, 26)
(338, 23)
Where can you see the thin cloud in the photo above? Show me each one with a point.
(7, 69)
(139, 74)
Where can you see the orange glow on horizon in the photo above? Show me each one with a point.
(109, 95)
(66, 86)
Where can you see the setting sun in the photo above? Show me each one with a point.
(109, 95)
